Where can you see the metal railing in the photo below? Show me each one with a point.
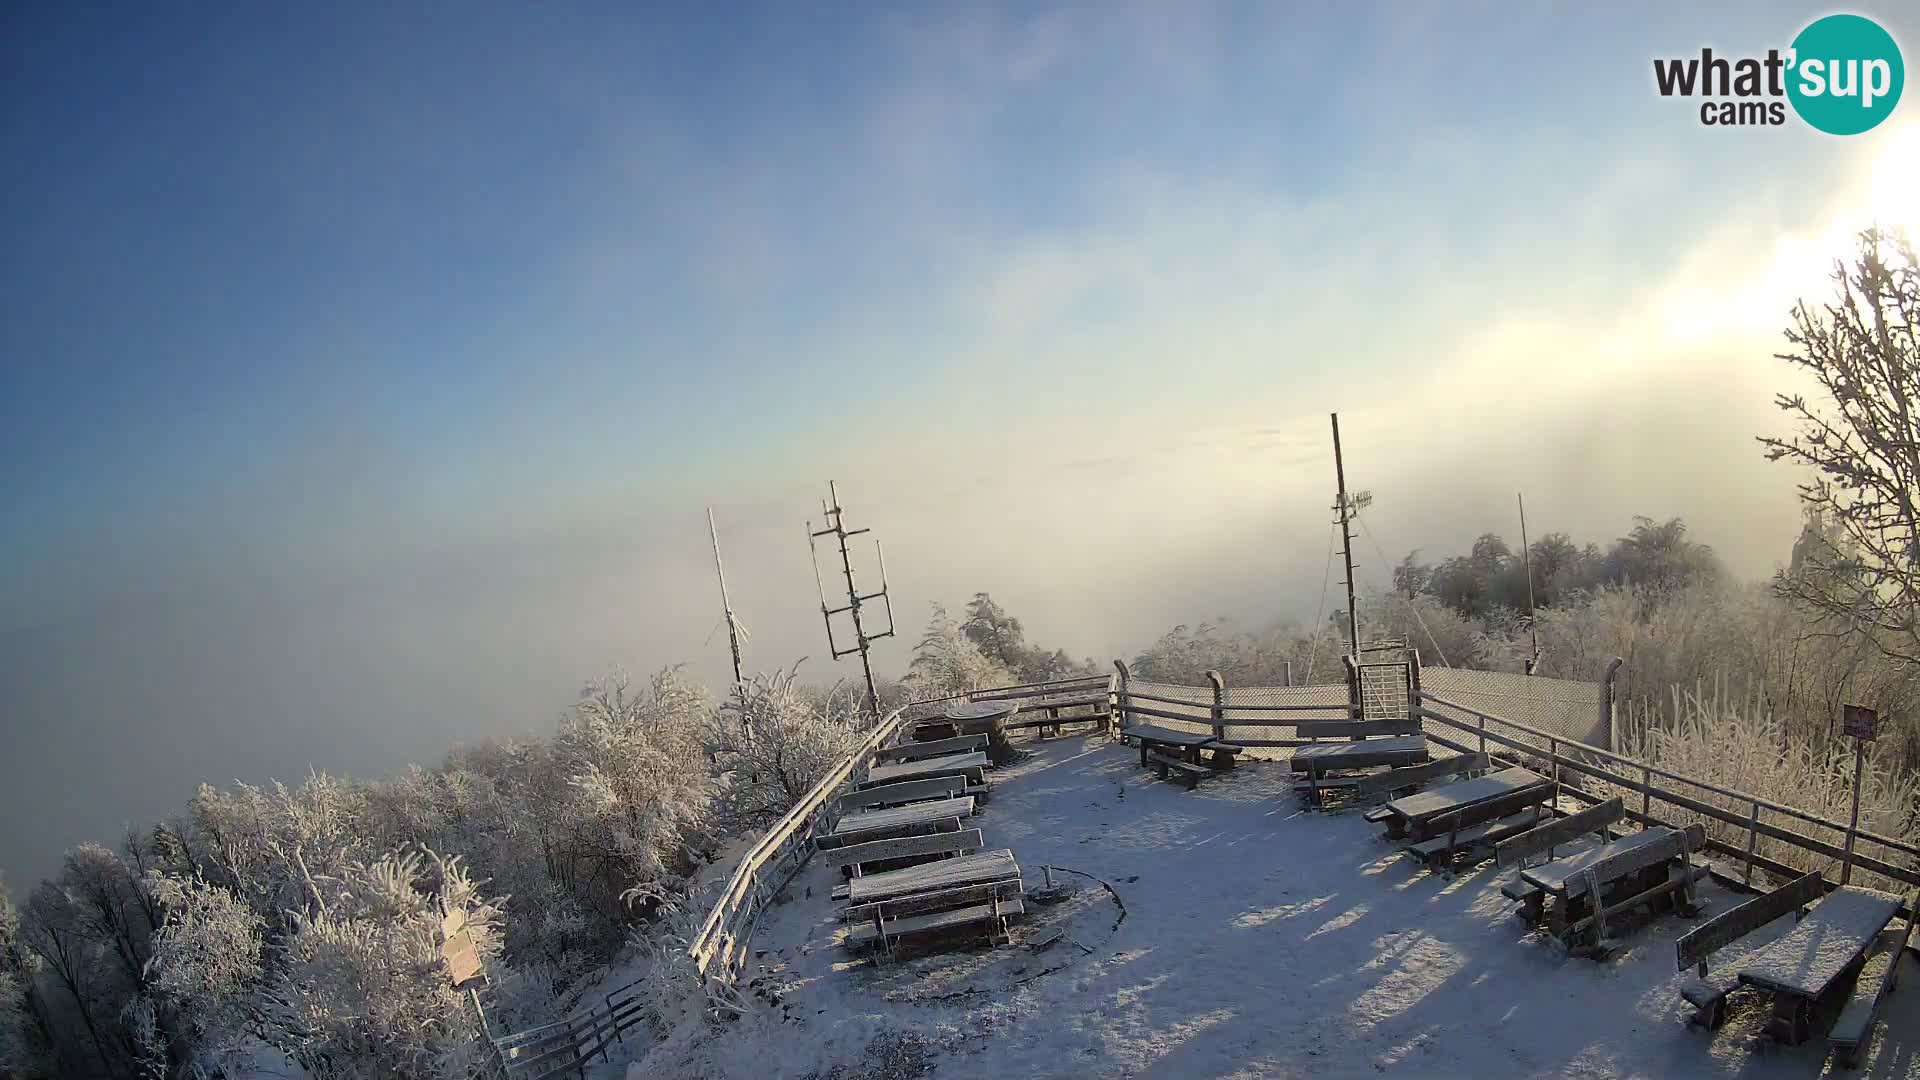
(567, 1046)
(1632, 776)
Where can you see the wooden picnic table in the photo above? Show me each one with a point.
(1327, 756)
(1804, 965)
(901, 820)
(970, 765)
(1184, 744)
(1553, 876)
(1508, 789)
(975, 869)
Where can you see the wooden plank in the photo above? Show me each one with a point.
(902, 847)
(1415, 775)
(1445, 845)
(916, 751)
(1460, 794)
(1177, 763)
(975, 869)
(865, 932)
(972, 766)
(1729, 926)
(898, 821)
(902, 793)
(1572, 876)
(1356, 729)
(1324, 757)
(1518, 849)
(939, 900)
(1850, 1030)
(1167, 736)
(1827, 942)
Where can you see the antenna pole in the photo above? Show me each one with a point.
(1346, 538)
(1526, 557)
(733, 627)
(863, 641)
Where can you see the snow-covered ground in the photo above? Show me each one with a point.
(1258, 939)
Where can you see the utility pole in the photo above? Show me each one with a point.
(1346, 538)
(733, 624)
(1526, 559)
(836, 527)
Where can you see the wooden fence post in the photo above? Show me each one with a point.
(1606, 704)
(1753, 840)
(1356, 706)
(1413, 688)
(1219, 710)
(1117, 711)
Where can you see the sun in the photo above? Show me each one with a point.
(1893, 188)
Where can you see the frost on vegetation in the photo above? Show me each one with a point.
(771, 743)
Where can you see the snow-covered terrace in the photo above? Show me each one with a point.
(1258, 939)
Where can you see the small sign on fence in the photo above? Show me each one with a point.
(1860, 722)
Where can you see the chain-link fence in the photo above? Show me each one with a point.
(1567, 709)
(1251, 726)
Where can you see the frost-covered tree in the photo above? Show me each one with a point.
(1863, 446)
(946, 661)
(638, 785)
(772, 744)
(26, 1042)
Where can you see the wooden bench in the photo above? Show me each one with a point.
(972, 765)
(1820, 954)
(850, 859)
(1185, 771)
(1878, 978)
(1466, 802)
(1357, 729)
(942, 815)
(1615, 877)
(920, 751)
(887, 922)
(908, 791)
(1472, 841)
(1381, 784)
(1708, 994)
(1547, 839)
(1052, 707)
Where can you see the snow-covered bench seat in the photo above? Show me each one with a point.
(1877, 979)
(1708, 994)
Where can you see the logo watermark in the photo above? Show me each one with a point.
(1842, 74)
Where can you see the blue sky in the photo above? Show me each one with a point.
(366, 366)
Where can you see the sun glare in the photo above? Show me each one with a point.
(1894, 188)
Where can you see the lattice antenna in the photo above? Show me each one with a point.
(856, 600)
(1345, 509)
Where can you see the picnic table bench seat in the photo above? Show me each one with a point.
(866, 932)
(938, 815)
(1178, 769)
(1444, 847)
(1707, 993)
(1466, 802)
(1876, 979)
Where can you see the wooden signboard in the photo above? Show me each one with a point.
(1860, 722)
(463, 960)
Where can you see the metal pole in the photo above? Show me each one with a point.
(733, 630)
(1526, 558)
(1346, 538)
(1853, 822)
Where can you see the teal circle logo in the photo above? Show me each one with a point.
(1846, 74)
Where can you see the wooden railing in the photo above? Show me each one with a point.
(1565, 755)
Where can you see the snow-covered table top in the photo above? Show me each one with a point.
(1154, 733)
(1399, 744)
(900, 817)
(947, 765)
(1810, 956)
(1461, 793)
(980, 710)
(976, 869)
(1553, 876)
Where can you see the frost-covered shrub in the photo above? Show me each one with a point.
(207, 967)
(1739, 744)
(362, 987)
(772, 743)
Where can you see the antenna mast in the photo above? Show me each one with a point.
(1346, 538)
(863, 641)
(1526, 557)
(733, 624)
